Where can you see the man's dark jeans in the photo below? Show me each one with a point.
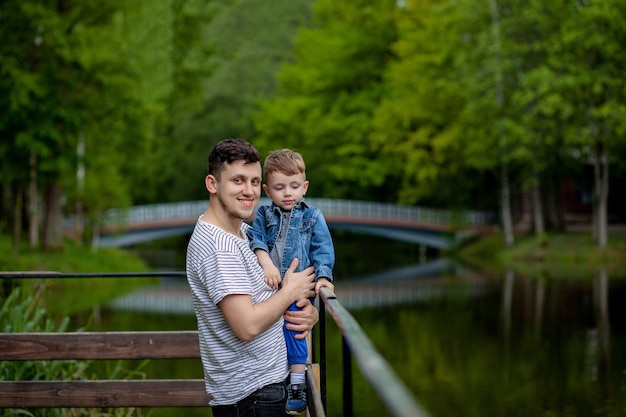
(268, 401)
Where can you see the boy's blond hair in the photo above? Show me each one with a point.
(285, 161)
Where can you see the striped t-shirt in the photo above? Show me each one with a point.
(220, 264)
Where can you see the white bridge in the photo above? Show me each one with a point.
(430, 227)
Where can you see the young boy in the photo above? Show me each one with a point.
(289, 228)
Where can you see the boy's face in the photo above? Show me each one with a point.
(286, 190)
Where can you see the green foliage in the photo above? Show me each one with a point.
(248, 40)
(593, 73)
(417, 102)
(74, 258)
(21, 312)
(328, 95)
(435, 117)
(102, 76)
(168, 163)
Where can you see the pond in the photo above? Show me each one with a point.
(465, 344)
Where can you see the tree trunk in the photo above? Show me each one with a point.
(601, 194)
(11, 206)
(53, 232)
(33, 206)
(596, 196)
(537, 206)
(556, 206)
(17, 217)
(505, 207)
(95, 235)
(505, 194)
(80, 186)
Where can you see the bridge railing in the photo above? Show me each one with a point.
(377, 210)
(330, 207)
(180, 344)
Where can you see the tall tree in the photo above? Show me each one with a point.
(328, 96)
(505, 191)
(421, 123)
(168, 166)
(76, 75)
(247, 40)
(592, 63)
(529, 28)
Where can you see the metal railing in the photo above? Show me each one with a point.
(391, 390)
(355, 343)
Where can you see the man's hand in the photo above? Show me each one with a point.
(302, 321)
(299, 284)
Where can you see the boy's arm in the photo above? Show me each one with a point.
(271, 272)
(257, 236)
(322, 251)
(257, 233)
(248, 320)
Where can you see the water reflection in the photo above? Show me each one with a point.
(470, 344)
(521, 347)
(406, 284)
(569, 300)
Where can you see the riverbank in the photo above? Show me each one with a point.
(573, 254)
(86, 293)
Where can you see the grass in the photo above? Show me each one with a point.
(564, 255)
(22, 311)
(84, 293)
(30, 305)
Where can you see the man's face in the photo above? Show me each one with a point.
(286, 190)
(239, 188)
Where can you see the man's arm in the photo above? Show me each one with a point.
(248, 320)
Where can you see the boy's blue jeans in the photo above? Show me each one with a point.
(297, 349)
(268, 401)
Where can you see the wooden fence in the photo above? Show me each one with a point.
(101, 393)
(107, 393)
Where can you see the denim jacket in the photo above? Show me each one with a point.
(308, 238)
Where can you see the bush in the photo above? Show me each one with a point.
(22, 312)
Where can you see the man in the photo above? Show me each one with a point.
(239, 316)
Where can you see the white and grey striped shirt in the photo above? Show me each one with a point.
(220, 264)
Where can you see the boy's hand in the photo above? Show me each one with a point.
(323, 282)
(272, 276)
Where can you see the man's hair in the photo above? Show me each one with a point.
(284, 160)
(228, 151)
